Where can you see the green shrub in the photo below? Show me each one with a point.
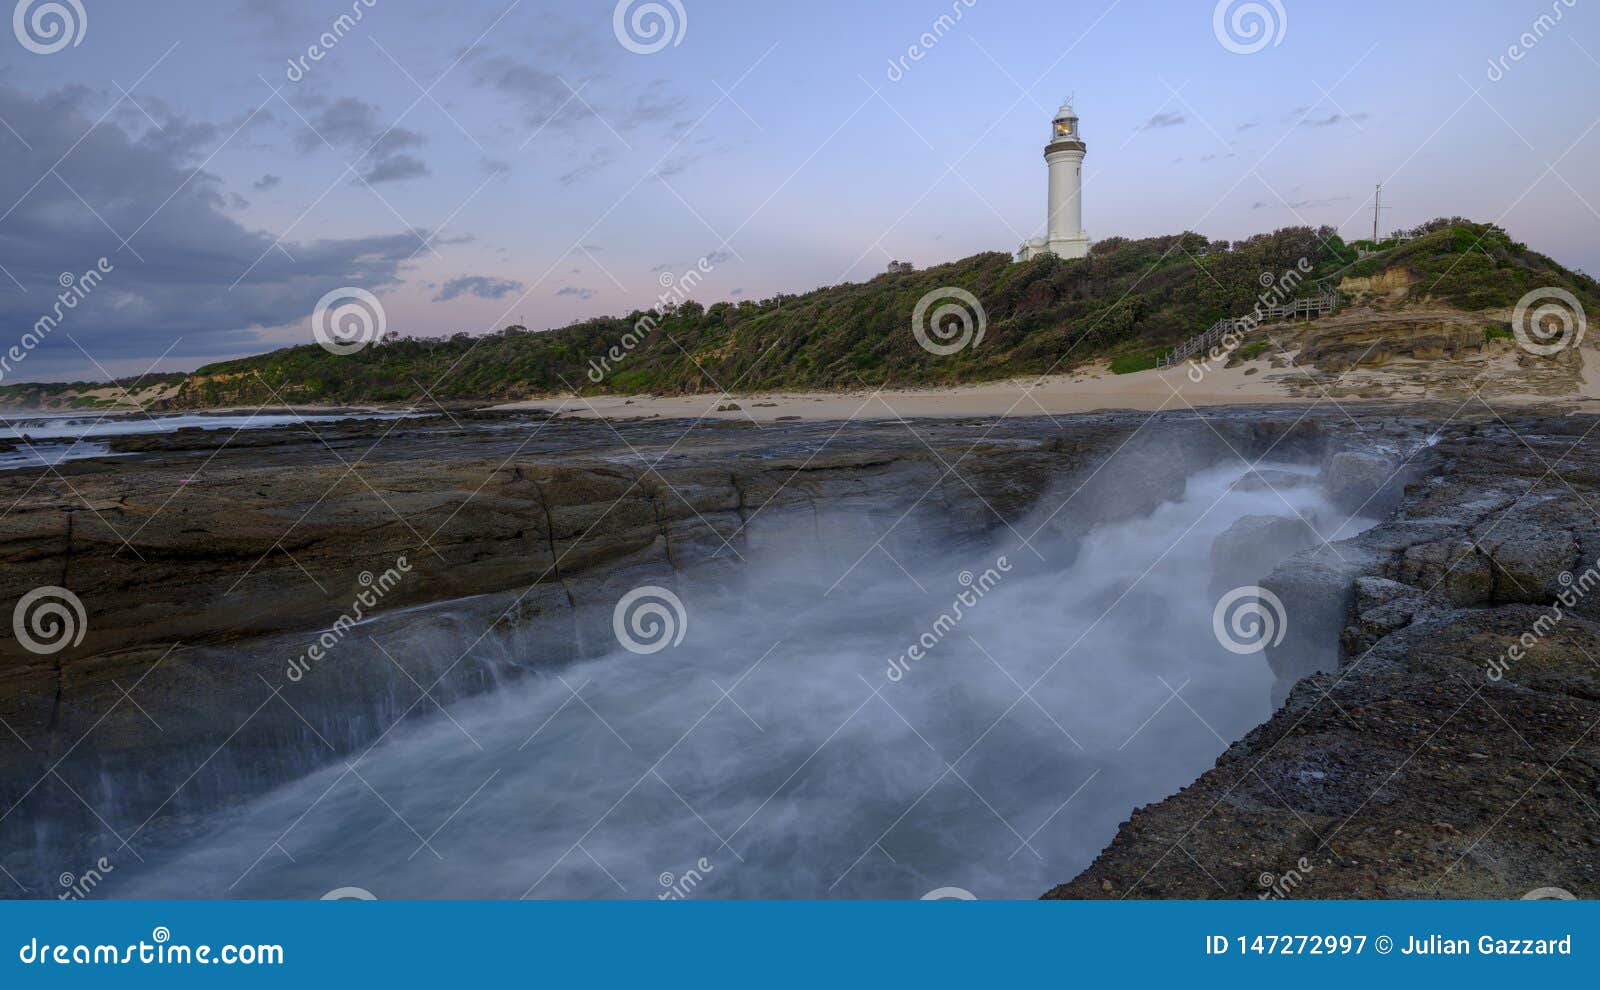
(1128, 364)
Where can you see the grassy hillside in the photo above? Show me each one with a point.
(1127, 297)
(1475, 267)
(1128, 301)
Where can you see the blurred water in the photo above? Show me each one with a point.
(771, 754)
(33, 433)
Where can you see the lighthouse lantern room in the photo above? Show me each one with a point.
(1064, 153)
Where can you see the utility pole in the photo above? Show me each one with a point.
(1377, 211)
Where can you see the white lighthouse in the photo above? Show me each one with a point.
(1064, 154)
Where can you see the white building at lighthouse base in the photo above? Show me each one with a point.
(1070, 248)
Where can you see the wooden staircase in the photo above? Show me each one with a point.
(1322, 304)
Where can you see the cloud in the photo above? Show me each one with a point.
(1333, 119)
(544, 98)
(676, 165)
(569, 290)
(598, 159)
(481, 286)
(571, 99)
(713, 258)
(191, 274)
(268, 181)
(1302, 204)
(383, 151)
(1161, 120)
(395, 168)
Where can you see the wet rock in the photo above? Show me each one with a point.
(1381, 607)
(1249, 549)
(1269, 480)
(1454, 569)
(1360, 482)
(1528, 559)
(1391, 769)
(1317, 590)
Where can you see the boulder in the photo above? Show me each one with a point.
(1381, 607)
(1269, 480)
(1248, 550)
(1361, 482)
(1453, 569)
(1528, 561)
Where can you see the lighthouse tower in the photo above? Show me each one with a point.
(1064, 154)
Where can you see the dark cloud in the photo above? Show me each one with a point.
(481, 286)
(189, 270)
(562, 95)
(382, 151)
(396, 167)
(268, 181)
(569, 290)
(545, 99)
(1161, 120)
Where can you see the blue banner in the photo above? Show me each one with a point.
(809, 944)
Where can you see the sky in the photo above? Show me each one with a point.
(488, 162)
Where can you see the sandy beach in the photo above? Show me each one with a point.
(1095, 389)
